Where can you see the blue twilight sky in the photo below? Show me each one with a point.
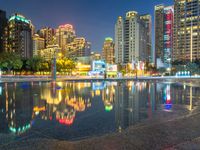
(93, 19)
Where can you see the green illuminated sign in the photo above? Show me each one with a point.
(19, 18)
(109, 39)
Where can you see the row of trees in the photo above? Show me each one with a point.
(12, 63)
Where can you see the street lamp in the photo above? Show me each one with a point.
(53, 67)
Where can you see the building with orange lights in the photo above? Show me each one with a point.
(108, 50)
(20, 36)
(38, 44)
(186, 37)
(65, 34)
(3, 24)
(48, 34)
(79, 47)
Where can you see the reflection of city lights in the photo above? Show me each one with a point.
(167, 98)
(78, 105)
(0, 90)
(67, 121)
(20, 129)
(108, 108)
(38, 109)
(107, 91)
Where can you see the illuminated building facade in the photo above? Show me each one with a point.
(119, 40)
(48, 34)
(95, 56)
(79, 47)
(3, 24)
(131, 37)
(148, 25)
(38, 44)
(168, 35)
(65, 34)
(49, 52)
(186, 45)
(108, 50)
(159, 30)
(164, 22)
(20, 36)
(134, 38)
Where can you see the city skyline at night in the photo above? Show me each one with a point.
(94, 20)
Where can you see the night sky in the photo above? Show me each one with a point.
(93, 19)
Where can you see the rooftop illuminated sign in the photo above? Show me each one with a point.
(109, 39)
(19, 18)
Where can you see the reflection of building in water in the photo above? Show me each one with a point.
(108, 95)
(63, 100)
(132, 101)
(17, 105)
(179, 95)
(167, 98)
(3, 111)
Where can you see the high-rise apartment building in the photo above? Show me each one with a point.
(108, 50)
(38, 44)
(119, 41)
(131, 38)
(48, 34)
(49, 52)
(164, 21)
(20, 36)
(79, 47)
(148, 25)
(3, 24)
(159, 25)
(65, 34)
(186, 45)
(168, 35)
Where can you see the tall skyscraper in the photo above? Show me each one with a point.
(159, 25)
(186, 45)
(79, 47)
(108, 50)
(164, 21)
(65, 34)
(48, 34)
(168, 35)
(148, 25)
(119, 41)
(3, 24)
(20, 36)
(131, 38)
(38, 44)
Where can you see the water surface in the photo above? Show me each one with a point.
(77, 110)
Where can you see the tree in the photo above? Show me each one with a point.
(10, 61)
(45, 66)
(193, 68)
(34, 64)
